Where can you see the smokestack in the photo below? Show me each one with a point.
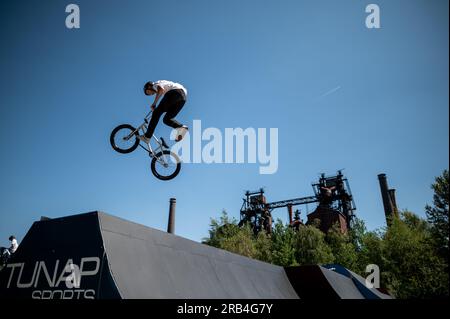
(289, 207)
(393, 201)
(171, 223)
(387, 202)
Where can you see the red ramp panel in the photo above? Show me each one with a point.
(96, 255)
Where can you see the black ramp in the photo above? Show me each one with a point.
(317, 282)
(360, 282)
(344, 286)
(148, 263)
(38, 269)
(115, 258)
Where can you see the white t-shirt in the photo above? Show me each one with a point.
(14, 245)
(166, 86)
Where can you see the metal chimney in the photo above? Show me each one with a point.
(289, 207)
(393, 201)
(171, 223)
(387, 202)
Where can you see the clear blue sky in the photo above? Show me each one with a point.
(245, 64)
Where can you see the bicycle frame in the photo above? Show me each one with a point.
(152, 152)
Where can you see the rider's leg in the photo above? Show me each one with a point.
(154, 120)
(172, 103)
(176, 103)
(169, 118)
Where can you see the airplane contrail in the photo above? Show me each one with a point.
(331, 91)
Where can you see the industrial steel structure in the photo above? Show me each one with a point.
(332, 193)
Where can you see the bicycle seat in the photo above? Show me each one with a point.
(164, 143)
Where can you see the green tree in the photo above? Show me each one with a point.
(220, 230)
(413, 268)
(311, 248)
(342, 247)
(369, 252)
(357, 232)
(242, 243)
(283, 245)
(226, 234)
(437, 215)
(263, 246)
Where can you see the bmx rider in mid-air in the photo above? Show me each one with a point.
(174, 98)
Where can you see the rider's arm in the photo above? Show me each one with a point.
(157, 97)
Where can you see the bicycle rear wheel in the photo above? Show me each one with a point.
(166, 165)
(123, 140)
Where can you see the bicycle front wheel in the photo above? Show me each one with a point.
(166, 165)
(124, 139)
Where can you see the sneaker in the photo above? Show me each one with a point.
(181, 132)
(144, 139)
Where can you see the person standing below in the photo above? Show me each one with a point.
(6, 253)
(14, 244)
(173, 99)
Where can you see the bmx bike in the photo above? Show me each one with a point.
(165, 164)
